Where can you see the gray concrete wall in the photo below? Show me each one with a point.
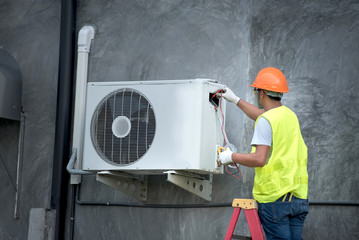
(29, 31)
(314, 43)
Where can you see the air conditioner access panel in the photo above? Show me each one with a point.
(148, 127)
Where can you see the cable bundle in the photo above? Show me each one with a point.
(227, 144)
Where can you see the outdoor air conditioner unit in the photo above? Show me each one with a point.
(169, 127)
(150, 127)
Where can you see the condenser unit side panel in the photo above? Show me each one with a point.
(211, 134)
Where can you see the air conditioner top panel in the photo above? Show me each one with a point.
(154, 82)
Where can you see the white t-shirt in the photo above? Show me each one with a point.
(262, 133)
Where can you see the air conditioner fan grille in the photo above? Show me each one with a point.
(123, 126)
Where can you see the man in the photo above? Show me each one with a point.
(279, 156)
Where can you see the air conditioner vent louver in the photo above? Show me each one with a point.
(123, 126)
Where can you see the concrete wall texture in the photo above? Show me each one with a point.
(315, 43)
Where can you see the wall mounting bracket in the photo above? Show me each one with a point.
(193, 183)
(134, 186)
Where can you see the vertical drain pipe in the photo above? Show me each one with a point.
(63, 115)
(86, 34)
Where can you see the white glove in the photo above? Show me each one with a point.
(226, 157)
(229, 96)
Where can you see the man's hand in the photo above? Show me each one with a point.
(225, 157)
(229, 96)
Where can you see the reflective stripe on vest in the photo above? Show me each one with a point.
(286, 169)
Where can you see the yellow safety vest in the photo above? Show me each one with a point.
(286, 169)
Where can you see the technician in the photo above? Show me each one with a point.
(279, 156)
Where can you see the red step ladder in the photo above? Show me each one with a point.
(250, 207)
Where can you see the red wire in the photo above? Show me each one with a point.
(240, 173)
(220, 90)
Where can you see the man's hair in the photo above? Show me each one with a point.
(272, 95)
(274, 98)
(277, 96)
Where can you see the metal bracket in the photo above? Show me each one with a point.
(131, 185)
(193, 183)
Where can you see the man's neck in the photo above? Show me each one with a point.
(272, 104)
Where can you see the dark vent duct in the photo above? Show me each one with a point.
(10, 87)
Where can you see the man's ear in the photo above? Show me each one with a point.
(261, 93)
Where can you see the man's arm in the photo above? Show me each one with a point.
(250, 110)
(256, 159)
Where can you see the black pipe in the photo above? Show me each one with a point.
(63, 115)
(212, 205)
(72, 212)
(335, 203)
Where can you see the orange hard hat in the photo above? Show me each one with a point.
(271, 79)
